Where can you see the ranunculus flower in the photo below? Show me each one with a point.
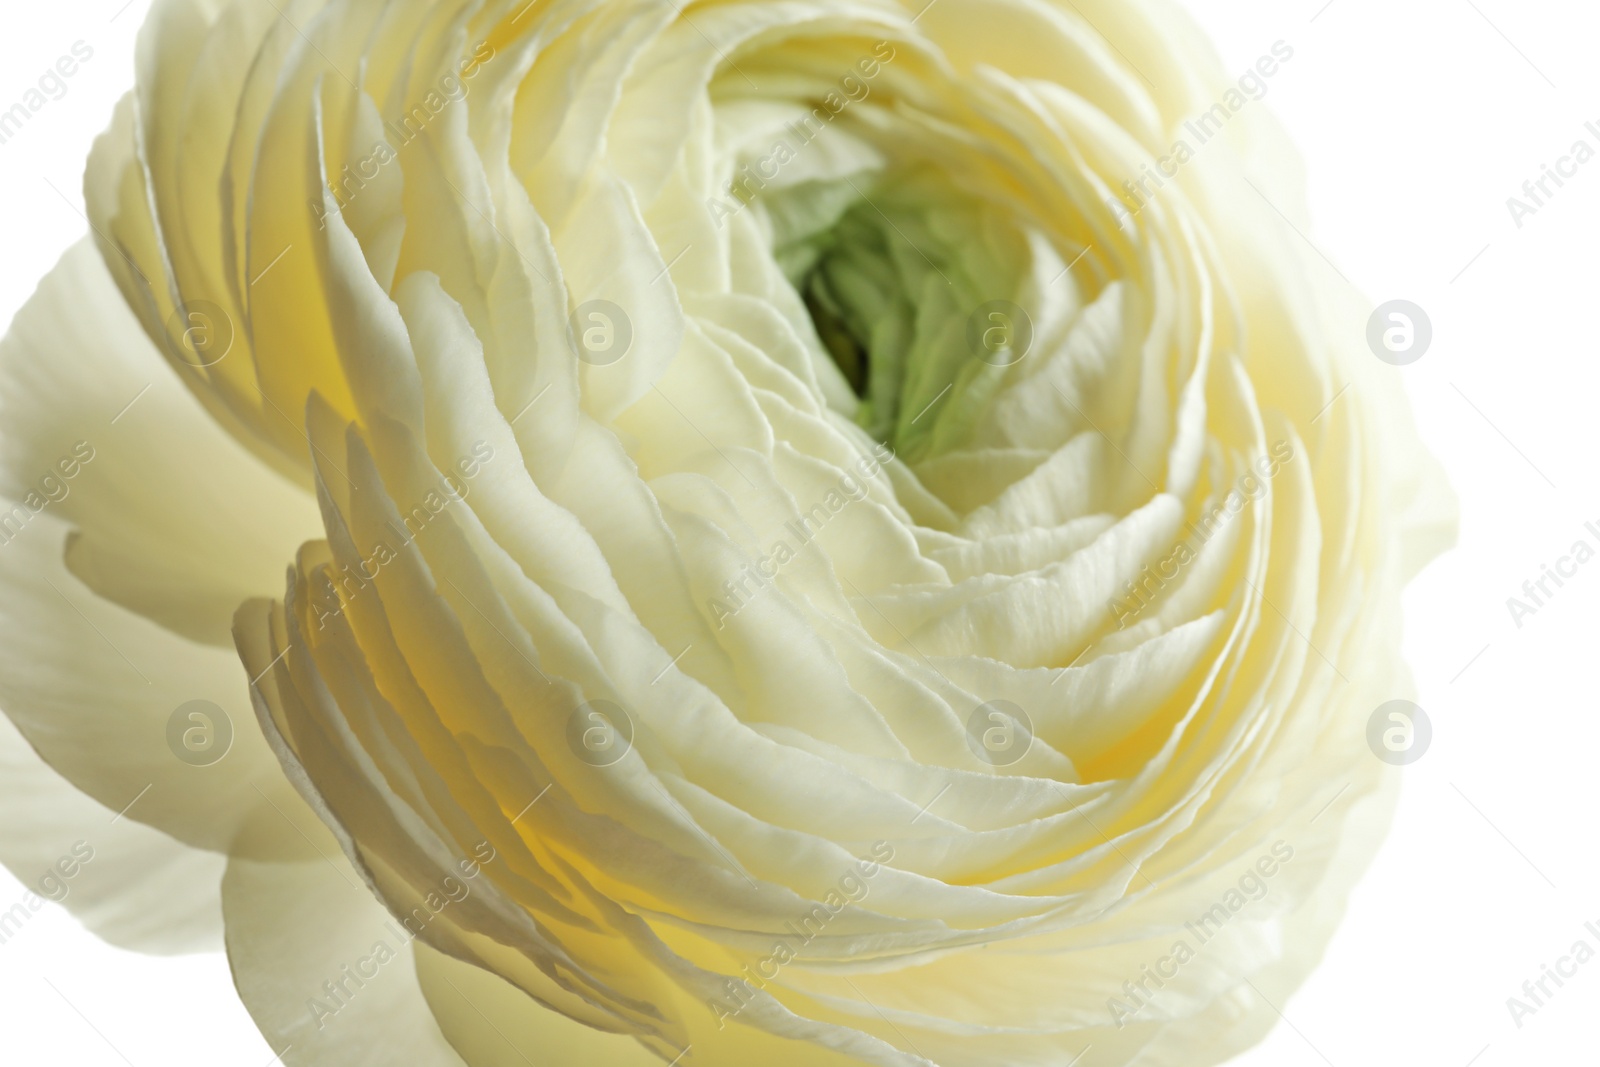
(815, 534)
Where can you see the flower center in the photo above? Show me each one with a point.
(908, 286)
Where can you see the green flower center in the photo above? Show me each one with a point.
(909, 286)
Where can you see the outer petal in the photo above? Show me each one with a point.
(106, 631)
(139, 889)
(491, 1023)
(293, 927)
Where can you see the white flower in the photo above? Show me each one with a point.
(790, 558)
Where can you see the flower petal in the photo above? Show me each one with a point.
(108, 628)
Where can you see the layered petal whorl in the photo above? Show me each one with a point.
(870, 583)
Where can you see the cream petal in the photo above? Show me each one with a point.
(95, 689)
(165, 542)
(492, 1025)
(326, 973)
(160, 527)
(133, 886)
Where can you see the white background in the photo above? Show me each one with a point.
(1417, 119)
